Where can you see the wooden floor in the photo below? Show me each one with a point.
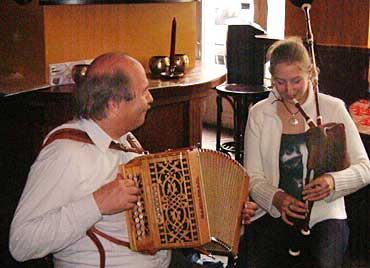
(209, 136)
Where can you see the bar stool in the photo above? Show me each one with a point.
(240, 97)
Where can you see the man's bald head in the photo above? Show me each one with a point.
(111, 63)
(108, 78)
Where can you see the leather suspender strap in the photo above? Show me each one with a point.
(110, 238)
(99, 245)
(81, 136)
(92, 232)
(68, 133)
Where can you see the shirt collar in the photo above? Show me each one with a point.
(100, 138)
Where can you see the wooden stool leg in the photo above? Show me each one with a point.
(219, 122)
(239, 117)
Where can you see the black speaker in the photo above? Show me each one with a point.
(245, 54)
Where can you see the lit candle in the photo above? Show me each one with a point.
(173, 42)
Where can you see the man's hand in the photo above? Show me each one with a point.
(116, 196)
(248, 211)
(318, 188)
(289, 206)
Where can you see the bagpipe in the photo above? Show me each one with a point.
(326, 143)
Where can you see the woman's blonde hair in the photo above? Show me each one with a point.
(289, 50)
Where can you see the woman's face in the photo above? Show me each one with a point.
(291, 81)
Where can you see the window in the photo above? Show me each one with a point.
(218, 14)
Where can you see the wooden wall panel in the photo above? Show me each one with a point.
(343, 72)
(341, 35)
(334, 23)
(21, 46)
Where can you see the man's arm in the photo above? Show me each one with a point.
(53, 212)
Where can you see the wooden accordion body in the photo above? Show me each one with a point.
(189, 198)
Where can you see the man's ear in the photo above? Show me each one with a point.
(113, 107)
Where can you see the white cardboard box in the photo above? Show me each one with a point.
(61, 73)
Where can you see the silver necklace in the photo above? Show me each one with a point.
(292, 120)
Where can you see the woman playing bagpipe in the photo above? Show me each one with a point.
(281, 152)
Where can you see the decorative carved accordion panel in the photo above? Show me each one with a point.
(188, 198)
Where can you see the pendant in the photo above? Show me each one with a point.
(293, 121)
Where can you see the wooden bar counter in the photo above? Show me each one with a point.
(175, 120)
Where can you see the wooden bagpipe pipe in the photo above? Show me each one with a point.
(190, 198)
(326, 143)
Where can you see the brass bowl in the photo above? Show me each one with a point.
(79, 73)
(158, 64)
(181, 63)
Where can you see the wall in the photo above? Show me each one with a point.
(34, 36)
(142, 30)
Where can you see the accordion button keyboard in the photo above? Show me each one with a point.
(138, 212)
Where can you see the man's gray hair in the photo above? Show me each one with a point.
(95, 92)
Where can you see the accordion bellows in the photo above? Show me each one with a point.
(189, 198)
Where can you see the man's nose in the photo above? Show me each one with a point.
(149, 97)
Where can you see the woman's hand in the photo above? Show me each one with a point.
(318, 188)
(289, 206)
(248, 211)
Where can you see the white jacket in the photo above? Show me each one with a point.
(261, 156)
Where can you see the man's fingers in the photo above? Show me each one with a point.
(131, 205)
(129, 182)
(119, 176)
(132, 198)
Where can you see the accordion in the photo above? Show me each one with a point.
(190, 198)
